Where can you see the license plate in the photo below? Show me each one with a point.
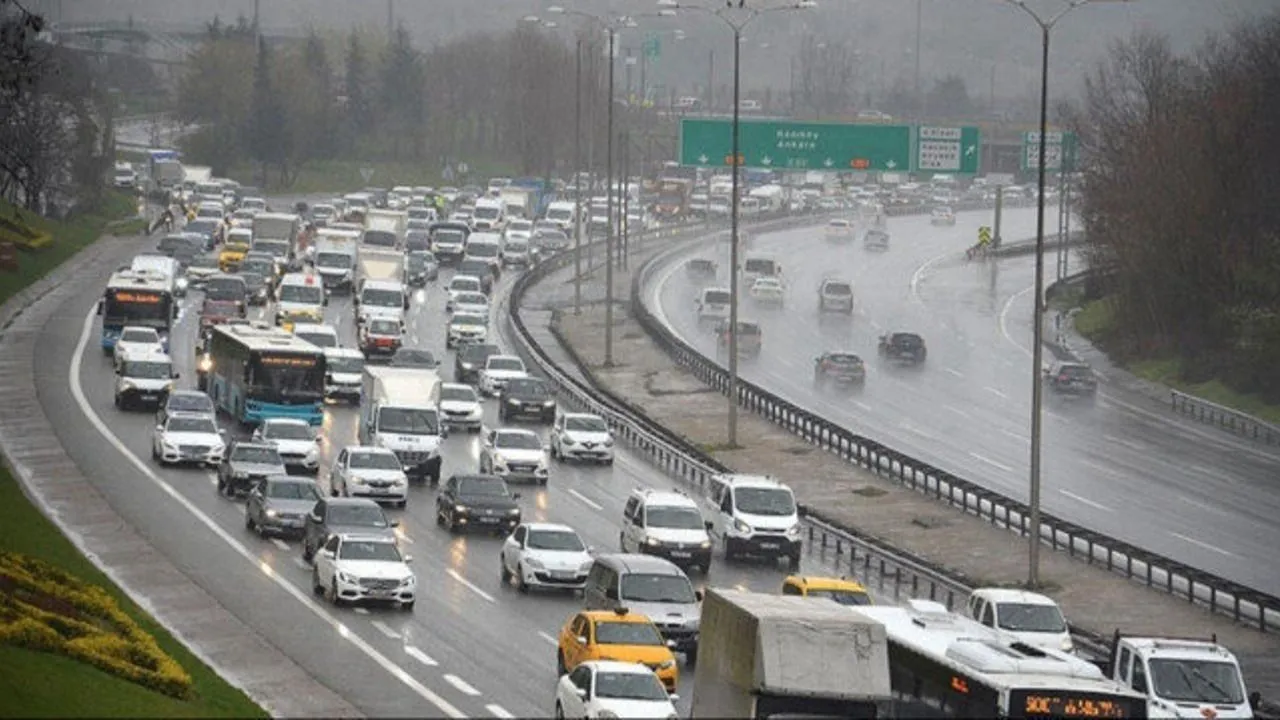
(148, 396)
(380, 491)
(681, 554)
(770, 546)
(381, 593)
(489, 520)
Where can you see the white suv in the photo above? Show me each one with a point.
(666, 524)
(351, 568)
(466, 328)
(581, 436)
(498, 371)
(754, 515)
(372, 472)
(835, 295)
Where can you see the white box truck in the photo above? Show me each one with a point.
(400, 410)
(385, 229)
(375, 263)
(335, 257)
(768, 655)
(1181, 677)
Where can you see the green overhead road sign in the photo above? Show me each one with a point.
(652, 46)
(1060, 150)
(785, 145)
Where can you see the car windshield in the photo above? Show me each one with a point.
(287, 431)
(468, 320)
(380, 238)
(253, 279)
(147, 370)
(227, 289)
(202, 227)
(192, 425)
(345, 365)
(627, 633)
(302, 294)
(837, 289)
(478, 353)
(369, 550)
(417, 262)
(204, 261)
(471, 298)
(384, 327)
(717, 297)
(701, 264)
(333, 260)
(776, 502)
(517, 247)
(585, 424)
(189, 402)
(473, 268)
(520, 226)
(1075, 372)
(375, 460)
(514, 440)
(482, 250)
(292, 490)
(756, 265)
(1188, 680)
(553, 236)
(530, 388)
(630, 685)
(844, 360)
(450, 237)
(647, 587)
(563, 540)
(768, 284)
(844, 597)
(139, 335)
(678, 518)
(253, 454)
(357, 515)
(416, 240)
(460, 393)
(482, 486)
(464, 284)
(319, 339)
(414, 358)
(486, 213)
(907, 341)
(408, 421)
(506, 363)
(382, 298)
(1027, 617)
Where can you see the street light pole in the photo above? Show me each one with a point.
(577, 180)
(608, 241)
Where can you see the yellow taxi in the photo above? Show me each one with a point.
(842, 590)
(232, 255)
(616, 635)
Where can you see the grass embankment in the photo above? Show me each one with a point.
(1095, 320)
(46, 684)
(328, 176)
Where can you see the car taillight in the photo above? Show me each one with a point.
(1063, 378)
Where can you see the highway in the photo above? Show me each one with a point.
(1122, 465)
(471, 647)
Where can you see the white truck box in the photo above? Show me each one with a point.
(381, 223)
(399, 410)
(331, 247)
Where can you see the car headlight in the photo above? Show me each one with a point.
(794, 530)
(586, 567)
(608, 443)
(513, 511)
(467, 365)
(1067, 644)
(312, 453)
(499, 463)
(400, 482)
(460, 508)
(548, 403)
(358, 480)
(607, 715)
(217, 449)
(652, 542)
(171, 447)
(237, 475)
(706, 544)
(534, 563)
(409, 581)
(182, 283)
(512, 401)
(667, 664)
(346, 577)
(272, 513)
(127, 386)
(741, 526)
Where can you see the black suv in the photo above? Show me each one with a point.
(842, 368)
(478, 269)
(903, 347)
(1071, 378)
(470, 360)
(526, 397)
(477, 501)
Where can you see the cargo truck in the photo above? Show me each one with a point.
(399, 410)
(764, 655)
(673, 198)
(376, 263)
(385, 229)
(521, 202)
(1181, 677)
(335, 257)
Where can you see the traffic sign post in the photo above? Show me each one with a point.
(366, 173)
(834, 147)
(652, 46)
(984, 235)
(1059, 152)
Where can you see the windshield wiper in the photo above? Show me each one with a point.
(1204, 682)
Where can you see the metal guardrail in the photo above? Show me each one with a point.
(1223, 417)
(896, 573)
(1242, 603)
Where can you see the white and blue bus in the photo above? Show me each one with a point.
(256, 372)
(944, 665)
(139, 298)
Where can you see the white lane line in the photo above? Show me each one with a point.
(360, 610)
(420, 656)
(913, 429)
(548, 638)
(385, 629)
(469, 585)
(461, 684)
(1013, 434)
(301, 563)
(990, 462)
(280, 544)
(1201, 543)
(586, 500)
(1202, 469)
(994, 391)
(862, 406)
(1101, 468)
(302, 596)
(1085, 500)
(1131, 444)
(919, 275)
(400, 535)
(498, 711)
(1004, 320)
(956, 373)
(1200, 505)
(956, 410)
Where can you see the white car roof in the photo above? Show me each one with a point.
(142, 355)
(143, 328)
(582, 416)
(666, 498)
(285, 421)
(1010, 595)
(342, 352)
(550, 527)
(518, 431)
(313, 328)
(618, 666)
(491, 358)
(368, 450)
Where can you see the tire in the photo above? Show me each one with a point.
(559, 709)
(331, 594)
(316, 587)
(249, 524)
(730, 550)
(560, 668)
(402, 504)
(555, 453)
(407, 607)
(794, 560)
(543, 480)
(521, 585)
(307, 553)
(691, 656)
(622, 543)
(505, 574)
(450, 524)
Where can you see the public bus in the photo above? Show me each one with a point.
(255, 372)
(136, 297)
(944, 665)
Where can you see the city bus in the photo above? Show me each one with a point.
(255, 372)
(139, 298)
(944, 665)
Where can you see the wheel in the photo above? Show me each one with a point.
(608, 462)
(622, 543)
(407, 607)
(543, 480)
(559, 710)
(439, 517)
(730, 549)
(331, 593)
(521, 585)
(248, 522)
(794, 559)
(555, 453)
(450, 524)
(154, 455)
(402, 503)
(316, 587)
(307, 552)
(691, 656)
(560, 669)
(502, 413)
(505, 574)
(117, 403)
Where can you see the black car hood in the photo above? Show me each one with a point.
(487, 502)
(360, 530)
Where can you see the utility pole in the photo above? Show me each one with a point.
(919, 24)
(608, 242)
(711, 80)
(995, 239)
(625, 140)
(577, 178)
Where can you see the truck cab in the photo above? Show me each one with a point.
(399, 410)
(1182, 678)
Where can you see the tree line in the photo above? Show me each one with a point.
(55, 120)
(1180, 206)
(282, 105)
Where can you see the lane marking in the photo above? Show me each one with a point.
(360, 610)
(301, 563)
(913, 429)
(280, 544)
(1201, 543)
(997, 393)
(499, 711)
(1004, 320)
(1101, 468)
(1013, 434)
(385, 629)
(957, 411)
(1201, 469)
(461, 685)
(956, 373)
(302, 596)
(1085, 500)
(1131, 444)
(420, 656)
(469, 585)
(1200, 505)
(548, 638)
(586, 500)
(990, 462)
(919, 275)
(862, 406)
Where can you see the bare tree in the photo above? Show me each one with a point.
(827, 76)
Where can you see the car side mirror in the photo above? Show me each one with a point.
(223, 434)
(709, 525)
(674, 697)
(319, 439)
(515, 496)
(408, 559)
(325, 301)
(160, 428)
(177, 376)
(699, 595)
(582, 692)
(99, 310)
(582, 640)
(406, 302)
(394, 524)
(671, 644)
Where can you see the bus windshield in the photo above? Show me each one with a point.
(287, 379)
(134, 307)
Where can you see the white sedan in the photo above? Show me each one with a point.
(514, 454)
(768, 291)
(498, 371)
(545, 555)
(472, 303)
(460, 406)
(192, 438)
(612, 689)
(297, 441)
(581, 436)
(136, 340)
(354, 568)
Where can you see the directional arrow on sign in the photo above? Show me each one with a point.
(969, 151)
(828, 162)
(766, 160)
(891, 164)
(703, 158)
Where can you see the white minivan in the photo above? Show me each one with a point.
(713, 304)
(1023, 616)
